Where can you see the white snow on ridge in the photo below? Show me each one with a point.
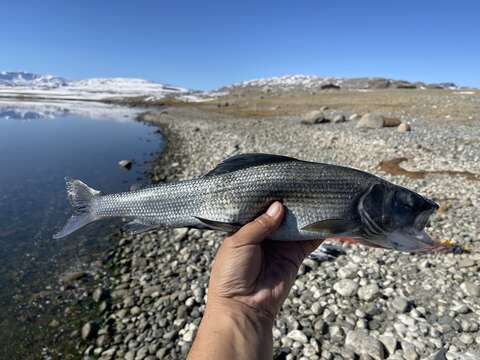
(14, 79)
(50, 87)
(287, 81)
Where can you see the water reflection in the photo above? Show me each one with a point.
(40, 144)
(33, 110)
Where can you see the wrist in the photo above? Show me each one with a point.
(238, 310)
(233, 330)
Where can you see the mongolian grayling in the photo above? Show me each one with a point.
(321, 201)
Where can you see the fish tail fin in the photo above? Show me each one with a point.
(81, 198)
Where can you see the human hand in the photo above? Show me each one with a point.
(250, 279)
(255, 272)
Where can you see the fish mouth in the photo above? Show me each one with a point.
(410, 239)
(422, 219)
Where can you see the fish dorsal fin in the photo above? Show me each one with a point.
(244, 161)
(330, 226)
(218, 225)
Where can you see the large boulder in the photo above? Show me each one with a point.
(371, 121)
(314, 117)
(377, 121)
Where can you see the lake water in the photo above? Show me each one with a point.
(40, 144)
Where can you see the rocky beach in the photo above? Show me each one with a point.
(366, 304)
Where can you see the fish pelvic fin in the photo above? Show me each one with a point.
(81, 198)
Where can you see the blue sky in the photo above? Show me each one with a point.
(206, 44)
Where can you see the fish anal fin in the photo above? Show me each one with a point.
(329, 226)
(244, 161)
(139, 226)
(218, 225)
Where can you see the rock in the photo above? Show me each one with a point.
(404, 127)
(406, 320)
(135, 310)
(297, 335)
(100, 294)
(338, 118)
(409, 352)
(346, 287)
(466, 262)
(314, 117)
(371, 121)
(71, 277)
(336, 333)
(439, 355)
(170, 335)
(368, 292)
(391, 122)
(389, 342)
(470, 289)
(361, 343)
(104, 306)
(54, 323)
(451, 355)
(400, 305)
(89, 330)
(467, 339)
(347, 272)
(126, 164)
(189, 334)
(354, 117)
(180, 234)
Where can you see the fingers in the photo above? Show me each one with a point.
(257, 230)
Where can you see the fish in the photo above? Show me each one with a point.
(321, 201)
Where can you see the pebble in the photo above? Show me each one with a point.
(470, 289)
(368, 292)
(89, 330)
(297, 335)
(426, 300)
(360, 342)
(409, 351)
(389, 342)
(100, 294)
(400, 304)
(404, 127)
(346, 287)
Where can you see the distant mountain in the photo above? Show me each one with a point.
(13, 84)
(307, 82)
(25, 79)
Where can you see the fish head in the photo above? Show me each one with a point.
(394, 217)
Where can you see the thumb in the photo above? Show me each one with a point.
(256, 231)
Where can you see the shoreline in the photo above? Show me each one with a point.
(160, 277)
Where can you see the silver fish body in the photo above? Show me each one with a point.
(320, 200)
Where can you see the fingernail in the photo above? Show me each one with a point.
(274, 209)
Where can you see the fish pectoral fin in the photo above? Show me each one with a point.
(218, 225)
(330, 226)
(138, 226)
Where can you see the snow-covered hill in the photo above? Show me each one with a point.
(307, 82)
(14, 84)
(25, 79)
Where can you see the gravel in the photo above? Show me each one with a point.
(369, 303)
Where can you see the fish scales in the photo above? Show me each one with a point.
(239, 196)
(321, 200)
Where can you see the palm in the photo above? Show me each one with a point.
(260, 275)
